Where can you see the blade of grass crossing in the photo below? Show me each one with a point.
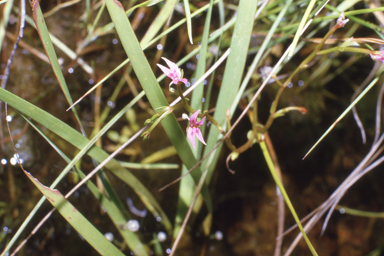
(259, 55)
(276, 178)
(77, 220)
(187, 186)
(189, 20)
(48, 46)
(301, 26)
(118, 216)
(159, 21)
(233, 70)
(75, 138)
(4, 20)
(152, 89)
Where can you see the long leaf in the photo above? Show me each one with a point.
(48, 46)
(234, 69)
(77, 220)
(152, 89)
(75, 138)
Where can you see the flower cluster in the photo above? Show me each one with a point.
(176, 75)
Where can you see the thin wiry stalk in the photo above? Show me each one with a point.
(320, 211)
(356, 93)
(378, 113)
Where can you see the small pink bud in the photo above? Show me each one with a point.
(341, 21)
(378, 56)
(145, 135)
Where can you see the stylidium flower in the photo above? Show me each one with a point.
(341, 21)
(378, 56)
(173, 72)
(193, 129)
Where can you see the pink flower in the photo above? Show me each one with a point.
(378, 56)
(173, 72)
(193, 129)
(341, 21)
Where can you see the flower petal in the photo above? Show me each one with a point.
(193, 117)
(378, 56)
(184, 80)
(200, 136)
(165, 70)
(191, 136)
(171, 65)
(200, 123)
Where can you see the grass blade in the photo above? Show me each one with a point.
(76, 139)
(77, 220)
(152, 89)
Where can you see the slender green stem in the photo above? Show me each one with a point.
(276, 178)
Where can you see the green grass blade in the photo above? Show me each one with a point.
(358, 98)
(189, 20)
(75, 138)
(118, 216)
(77, 220)
(4, 20)
(277, 180)
(48, 46)
(259, 54)
(187, 187)
(234, 69)
(159, 21)
(301, 26)
(152, 89)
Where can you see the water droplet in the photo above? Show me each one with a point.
(159, 47)
(4, 161)
(301, 83)
(203, 100)
(193, 80)
(115, 41)
(342, 210)
(9, 231)
(17, 145)
(218, 235)
(60, 61)
(289, 85)
(111, 104)
(109, 236)
(220, 77)
(168, 250)
(133, 225)
(13, 161)
(70, 70)
(205, 82)
(20, 141)
(9, 118)
(197, 56)
(190, 65)
(162, 236)
(90, 81)
(158, 218)
(5, 229)
(188, 84)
